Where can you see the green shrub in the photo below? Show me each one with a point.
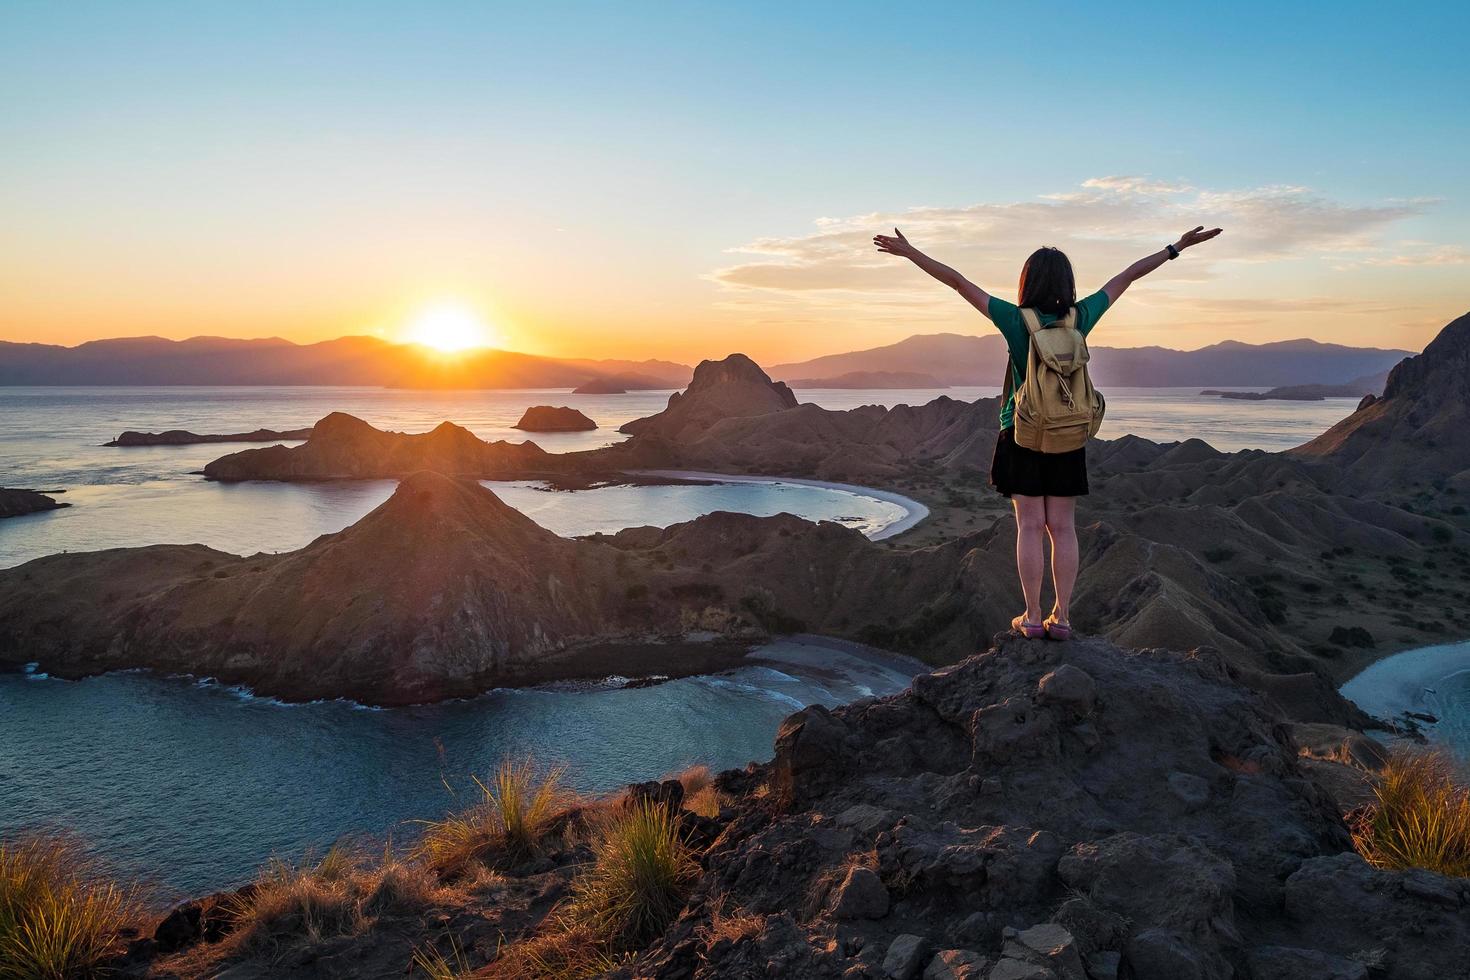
(639, 879)
(504, 828)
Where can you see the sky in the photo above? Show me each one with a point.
(682, 180)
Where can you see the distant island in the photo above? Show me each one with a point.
(17, 503)
(554, 418)
(600, 386)
(183, 437)
(872, 379)
(1357, 388)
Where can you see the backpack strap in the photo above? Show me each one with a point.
(1012, 380)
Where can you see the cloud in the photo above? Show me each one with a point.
(1104, 224)
(1430, 255)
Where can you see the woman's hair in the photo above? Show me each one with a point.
(1047, 284)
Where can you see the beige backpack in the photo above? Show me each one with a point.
(1057, 409)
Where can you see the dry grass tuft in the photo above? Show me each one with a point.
(58, 918)
(732, 927)
(565, 952)
(399, 888)
(706, 802)
(339, 895)
(436, 966)
(506, 827)
(1420, 817)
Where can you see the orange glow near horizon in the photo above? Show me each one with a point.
(450, 328)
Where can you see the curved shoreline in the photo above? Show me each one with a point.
(1398, 683)
(914, 512)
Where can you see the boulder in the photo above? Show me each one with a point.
(860, 895)
(668, 794)
(181, 928)
(906, 955)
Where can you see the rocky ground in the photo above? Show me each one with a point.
(1042, 811)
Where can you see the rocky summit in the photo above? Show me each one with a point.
(735, 387)
(1051, 812)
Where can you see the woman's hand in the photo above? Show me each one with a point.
(1192, 237)
(897, 245)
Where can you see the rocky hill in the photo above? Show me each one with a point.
(342, 446)
(434, 593)
(1040, 811)
(734, 419)
(444, 591)
(1052, 811)
(1418, 433)
(735, 387)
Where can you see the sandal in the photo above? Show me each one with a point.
(1056, 630)
(1031, 631)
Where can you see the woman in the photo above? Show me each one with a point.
(1043, 487)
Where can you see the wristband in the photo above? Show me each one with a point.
(1173, 252)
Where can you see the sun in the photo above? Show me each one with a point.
(448, 327)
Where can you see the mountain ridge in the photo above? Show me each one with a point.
(353, 360)
(973, 359)
(358, 360)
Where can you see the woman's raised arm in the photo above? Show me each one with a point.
(899, 245)
(1149, 263)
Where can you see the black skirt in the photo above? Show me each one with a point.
(1018, 470)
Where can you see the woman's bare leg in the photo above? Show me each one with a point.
(1061, 524)
(1030, 557)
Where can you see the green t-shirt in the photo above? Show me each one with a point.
(1007, 319)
